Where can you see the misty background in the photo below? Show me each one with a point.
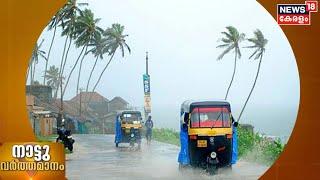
(181, 37)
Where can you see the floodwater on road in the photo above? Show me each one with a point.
(96, 157)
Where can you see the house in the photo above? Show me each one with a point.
(42, 92)
(87, 111)
(91, 101)
(108, 122)
(89, 96)
(42, 121)
(117, 103)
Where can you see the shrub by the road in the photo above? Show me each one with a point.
(251, 146)
(254, 147)
(165, 135)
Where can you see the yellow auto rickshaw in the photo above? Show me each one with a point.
(128, 128)
(207, 135)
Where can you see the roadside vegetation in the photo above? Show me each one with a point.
(50, 138)
(251, 146)
(165, 135)
(254, 147)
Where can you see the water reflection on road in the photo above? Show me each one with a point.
(95, 157)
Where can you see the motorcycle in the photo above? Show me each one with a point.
(66, 138)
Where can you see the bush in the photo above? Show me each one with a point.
(256, 148)
(251, 146)
(165, 135)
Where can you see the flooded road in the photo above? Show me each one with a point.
(95, 157)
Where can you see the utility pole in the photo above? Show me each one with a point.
(147, 65)
(146, 85)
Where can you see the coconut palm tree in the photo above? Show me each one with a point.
(99, 49)
(231, 41)
(54, 23)
(71, 12)
(85, 32)
(69, 15)
(259, 43)
(115, 40)
(53, 78)
(36, 53)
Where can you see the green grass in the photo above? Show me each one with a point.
(50, 138)
(251, 146)
(165, 135)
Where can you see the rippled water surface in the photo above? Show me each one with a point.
(95, 157)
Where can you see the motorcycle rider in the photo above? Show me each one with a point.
(149, 126)
(64, 135)
(61, 133)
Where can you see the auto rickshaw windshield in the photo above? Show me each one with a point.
(131, 118)
(204, 117)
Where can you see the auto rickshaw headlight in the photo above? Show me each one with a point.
(132, 134)
(213, 155)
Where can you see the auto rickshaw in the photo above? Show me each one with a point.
(128, 127)
(208, 135)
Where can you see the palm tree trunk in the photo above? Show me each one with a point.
(74, 66)
(80, 67)
(102, 72)
(28, 71)
(55, 94)
(104, 69)
(34, 72)
(61, 102)
(31, 72)
(61, 62)
(94, 66)
(66, 56)
(234, 72)
(62, 70)
(253, 86)
(49, 51)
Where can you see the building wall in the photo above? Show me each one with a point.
(46, 126)
(43, 93)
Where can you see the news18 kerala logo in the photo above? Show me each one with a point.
(296, 14)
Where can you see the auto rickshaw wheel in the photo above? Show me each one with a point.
(117, 144)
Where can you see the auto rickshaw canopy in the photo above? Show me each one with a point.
(189, 105)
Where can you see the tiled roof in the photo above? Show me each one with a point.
(92, 96)
(117, 98)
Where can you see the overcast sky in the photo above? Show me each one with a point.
(181, 37)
